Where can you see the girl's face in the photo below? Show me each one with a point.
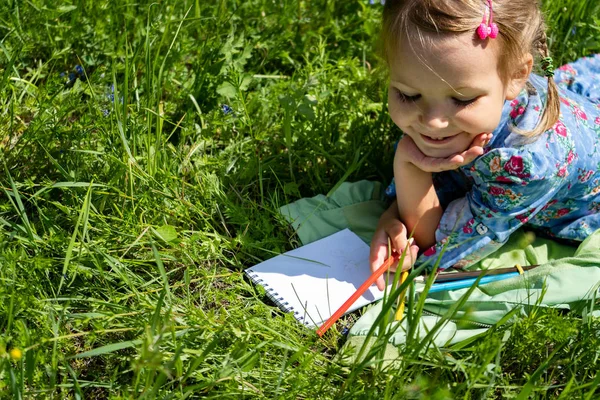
(443, 95)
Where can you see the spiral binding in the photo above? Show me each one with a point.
(273, 295)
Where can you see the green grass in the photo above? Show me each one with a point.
(131, 203)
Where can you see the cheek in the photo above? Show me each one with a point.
(473, 121)
(399, 112)
(480, 119)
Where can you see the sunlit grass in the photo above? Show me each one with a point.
(136, 189)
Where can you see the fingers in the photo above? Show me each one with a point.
(488, 138)
(444, 164)
(378, 253)
(476, 148)
(397, 233)
(379, 249)
(481, 140)
(410, 258)
(471, 154)
(467, 156)
(392, 228)
(407, 263)
(381, 255)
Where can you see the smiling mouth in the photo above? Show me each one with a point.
(433, 140)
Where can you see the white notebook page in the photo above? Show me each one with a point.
(313, 281)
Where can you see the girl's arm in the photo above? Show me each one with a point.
(418, 204)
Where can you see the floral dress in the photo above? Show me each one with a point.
(550, 184)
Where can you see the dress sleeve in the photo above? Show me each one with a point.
(509, 187)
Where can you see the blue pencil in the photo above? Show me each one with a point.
(465, 283)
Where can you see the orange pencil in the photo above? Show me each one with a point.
(359, 292)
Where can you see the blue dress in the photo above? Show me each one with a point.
(550, 184)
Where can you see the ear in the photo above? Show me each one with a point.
(520, 74)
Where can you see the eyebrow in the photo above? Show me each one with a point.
(400, 83)
(457, 90)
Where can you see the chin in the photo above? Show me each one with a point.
(439, 153)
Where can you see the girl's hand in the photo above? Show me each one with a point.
(408, 150)
(391, 226)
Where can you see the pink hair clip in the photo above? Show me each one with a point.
(487, 28)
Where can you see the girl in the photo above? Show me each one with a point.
(487, 146)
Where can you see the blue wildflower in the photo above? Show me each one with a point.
(79, 70)
(63, 74)
(226, 109)
(71, 81)
(105, 112)
(110, 96)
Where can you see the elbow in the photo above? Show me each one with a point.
(423, 229)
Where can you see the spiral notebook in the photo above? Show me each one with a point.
(313, 281)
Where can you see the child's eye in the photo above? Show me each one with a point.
(464, 103)
(406, 98)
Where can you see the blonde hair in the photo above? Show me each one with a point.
(521, 27)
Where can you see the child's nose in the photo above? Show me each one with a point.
(434, 118)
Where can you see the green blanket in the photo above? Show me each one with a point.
(567, 278)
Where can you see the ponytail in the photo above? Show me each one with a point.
(551, 111)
